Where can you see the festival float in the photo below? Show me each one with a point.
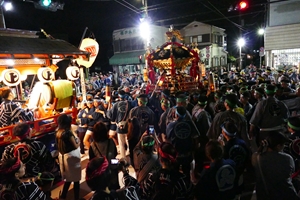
(172, 59)
(23, 55)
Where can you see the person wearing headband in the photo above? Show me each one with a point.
(285, 84)
(96, 113)
(165, 106)
(144, 114)
(34, 154)
(236, 150)
(279, 94)
(230, 103)
(194, 98)
(181, 100)
(45, 182)
(259, 95)
(82, 123)
(11, 170)
(144, 158)
(293, 127)
(118, 115)
(182, 135)
(200, 116)
(90, 123)
(217, 100)
(164, 182)
(244, 101)
(270, 114)
(211, 185)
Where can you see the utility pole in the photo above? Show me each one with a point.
(2, 21)
(146, 8)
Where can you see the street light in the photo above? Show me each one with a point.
(261, 31)
(7, 6)
(241, 42)
(144, 29)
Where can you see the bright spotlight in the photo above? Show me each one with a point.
(261, 31)
(241, 42)
(144, 29)
(8, 6)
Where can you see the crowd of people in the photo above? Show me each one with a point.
(184, 145)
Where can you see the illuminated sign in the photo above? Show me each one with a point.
(45, 74)
(73, 73)
(11, 77)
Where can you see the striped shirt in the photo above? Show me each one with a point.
(11, 113)
(25, 191)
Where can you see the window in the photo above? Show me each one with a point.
(222, 60)
(129, 44)
(193, 39)
(206, 38)
(199, 39)
(116, 46)
(196, 39)
(216, 39)
(216, 61)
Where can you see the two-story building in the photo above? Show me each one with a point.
(210, 40)
(130, 47)
(282, 38)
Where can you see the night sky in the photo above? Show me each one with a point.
(102, 17)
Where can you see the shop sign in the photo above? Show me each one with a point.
(11, 77)
(73, 73)
(126, 33)
(45, 74)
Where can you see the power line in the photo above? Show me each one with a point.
(137, 9)
(204, 21)
(126, 6)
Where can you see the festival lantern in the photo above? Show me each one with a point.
(45, 74)
(107, 93)
(73, 73)
(211, 83)
(11, 77)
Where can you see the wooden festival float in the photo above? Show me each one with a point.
(22, 55)
(171, 59)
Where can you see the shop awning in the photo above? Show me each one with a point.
(128, 58)
(29, 48)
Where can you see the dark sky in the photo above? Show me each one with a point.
(102, 17)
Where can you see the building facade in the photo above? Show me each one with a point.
(282, 38)
(210, 42)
